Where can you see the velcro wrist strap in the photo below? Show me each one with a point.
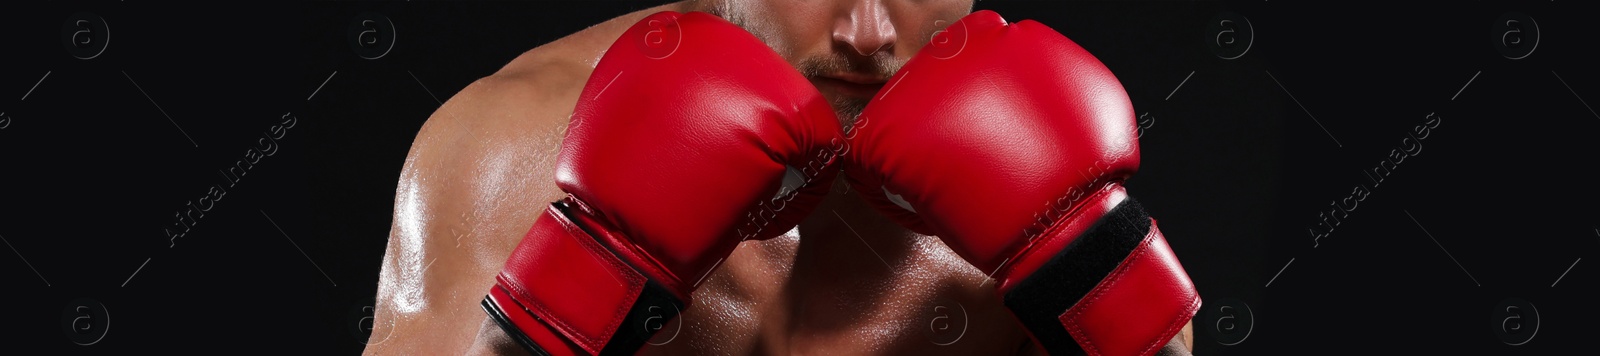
(560, 279)
(1116, 290)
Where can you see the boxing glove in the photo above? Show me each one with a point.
(690, 136)
(1011, 144)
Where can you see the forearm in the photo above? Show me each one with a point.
(1182, 344)
(494, 341)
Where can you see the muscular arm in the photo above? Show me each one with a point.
(477, 174)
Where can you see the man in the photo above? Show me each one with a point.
(848, 280)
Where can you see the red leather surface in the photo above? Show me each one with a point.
(675, 153)
(681, 139)
(991, 128)
(539, 332)
(568, 280)
(1139, 307)
(1008, 141)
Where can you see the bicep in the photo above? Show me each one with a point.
(419, 284)
(412, 303)
(475, 176)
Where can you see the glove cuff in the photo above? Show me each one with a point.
(564, 291)
(1114, 289)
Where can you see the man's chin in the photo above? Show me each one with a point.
(846, 104)
(848, 109)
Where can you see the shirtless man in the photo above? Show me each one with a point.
(848, 280)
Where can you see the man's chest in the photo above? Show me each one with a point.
(846, 281)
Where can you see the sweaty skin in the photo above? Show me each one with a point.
(846, 281)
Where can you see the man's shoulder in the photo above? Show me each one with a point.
(534, 92)
(531, 96)
(491, 112)
(536, 81)
(537, 89)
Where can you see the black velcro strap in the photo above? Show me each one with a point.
(654, 309)
(652, 312)
(1040, 299)
(499, 317)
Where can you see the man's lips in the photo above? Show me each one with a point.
(850, 84)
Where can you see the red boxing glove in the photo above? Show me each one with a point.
(1011, 143)
(690, 137)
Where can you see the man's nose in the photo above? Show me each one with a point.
(865, 27)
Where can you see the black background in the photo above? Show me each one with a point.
(1240, 155)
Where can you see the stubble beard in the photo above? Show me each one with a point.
(881, 64)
